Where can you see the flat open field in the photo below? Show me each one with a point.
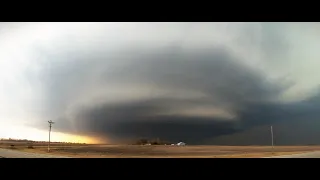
(160, 151)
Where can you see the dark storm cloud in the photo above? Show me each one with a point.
(225, 82)
(147, 91)
(293, 124)
(136, 120)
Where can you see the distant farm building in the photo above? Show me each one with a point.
(181, 144)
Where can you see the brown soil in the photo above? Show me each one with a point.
(132, 151)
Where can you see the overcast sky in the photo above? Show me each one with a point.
(174, 81)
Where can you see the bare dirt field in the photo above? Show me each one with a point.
(157, 151)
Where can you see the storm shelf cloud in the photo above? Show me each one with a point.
(192, 82)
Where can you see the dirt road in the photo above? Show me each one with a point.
(7, 153)
(315, 154)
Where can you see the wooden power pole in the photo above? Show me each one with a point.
(272, 139)
(50, 125)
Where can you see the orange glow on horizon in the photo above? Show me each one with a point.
(19, 132)
(63, 137)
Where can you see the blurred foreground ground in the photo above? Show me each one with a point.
(154, 151)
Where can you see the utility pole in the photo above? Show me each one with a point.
(272, 139)
(50, 125)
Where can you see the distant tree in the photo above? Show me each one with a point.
(12, 146)
(142, 142)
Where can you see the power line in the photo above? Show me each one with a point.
(50, 125)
